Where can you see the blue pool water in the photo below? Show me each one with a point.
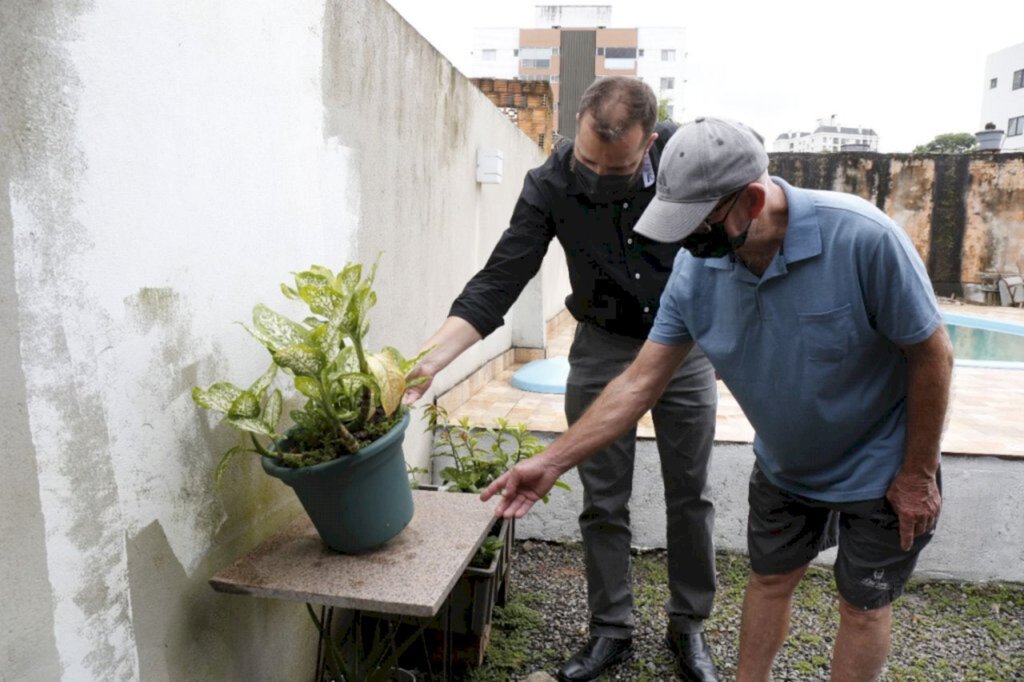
(980, 342)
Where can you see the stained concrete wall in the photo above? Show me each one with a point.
(964, 212)
(978, 538)
(163, 167)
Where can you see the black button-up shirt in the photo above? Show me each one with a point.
(616, 275)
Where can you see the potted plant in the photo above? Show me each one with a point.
(470, 459)
(989, 139)
(343, 451)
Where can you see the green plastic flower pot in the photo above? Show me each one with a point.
(356, 502)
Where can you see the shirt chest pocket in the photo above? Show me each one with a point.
(827, 335)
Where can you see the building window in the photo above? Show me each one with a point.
(1018, 79)
(669, 110)
(1015, 126)
(668, 55)
(640, 52)
(600, 52)
(620, 52)
(619, 64)
(535, 57)
(535, 52)
(992, 83)
(668, 83)
(489, 55)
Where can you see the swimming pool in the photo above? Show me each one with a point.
(979, 342)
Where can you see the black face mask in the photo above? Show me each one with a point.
(714, 242)
(602, 189)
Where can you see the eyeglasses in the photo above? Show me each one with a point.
(706, 226)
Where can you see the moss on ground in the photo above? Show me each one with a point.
(941, 630)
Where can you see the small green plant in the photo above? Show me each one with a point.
(478, 455)
(488, 550)
(351, 396)
(363, 651)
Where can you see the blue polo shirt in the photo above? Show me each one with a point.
(810, 350)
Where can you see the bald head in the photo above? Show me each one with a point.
(618, 103)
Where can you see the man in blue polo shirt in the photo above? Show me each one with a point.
(817, 313)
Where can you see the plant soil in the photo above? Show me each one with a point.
(296, 454)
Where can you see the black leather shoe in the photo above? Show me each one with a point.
(596, 657)
(693, 656)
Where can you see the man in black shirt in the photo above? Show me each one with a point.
(589, 195)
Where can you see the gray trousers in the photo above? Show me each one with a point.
(684, 426)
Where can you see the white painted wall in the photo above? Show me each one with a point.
(163, 167)
(1001, 103)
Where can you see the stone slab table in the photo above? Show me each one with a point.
(410, 575)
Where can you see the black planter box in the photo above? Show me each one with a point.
(479, 589)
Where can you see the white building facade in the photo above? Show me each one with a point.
(1002, 102)
(828, 138)
(661, 63)
(655, 55)
(495, 52)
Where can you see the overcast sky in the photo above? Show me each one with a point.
(906, 68)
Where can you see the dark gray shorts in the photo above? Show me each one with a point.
(786, 531)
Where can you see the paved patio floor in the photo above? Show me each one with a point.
(986, 415)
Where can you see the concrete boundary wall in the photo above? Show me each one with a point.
(964, 212)
(978, 538)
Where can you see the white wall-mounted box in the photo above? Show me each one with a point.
(489, 166)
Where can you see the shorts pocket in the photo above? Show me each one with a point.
(826, 335)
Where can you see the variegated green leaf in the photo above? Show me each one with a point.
(409, 364)
(289, 293)
(327, 337)
(348, 278)
(350, 320)
(272, 410)
(368, 282)
(302, 359)
(322, 300)
(275, 331)
(225, 460)
(218, 397)
(321, 271)
(245, 405)
(308, 387)
(344, 362)
(325, 278)
(389, 379)
(250, 424)
(302, 418)
(261, 384)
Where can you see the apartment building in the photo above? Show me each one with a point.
(571, 45)
(828, 137)
(1002, 102)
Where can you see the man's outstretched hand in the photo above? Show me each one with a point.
(521, 486)
(414, 393)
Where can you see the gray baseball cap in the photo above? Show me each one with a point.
(706, 160)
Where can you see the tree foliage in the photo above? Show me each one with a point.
(948, 143)
(663, 110)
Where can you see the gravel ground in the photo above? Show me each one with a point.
(942, 630)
